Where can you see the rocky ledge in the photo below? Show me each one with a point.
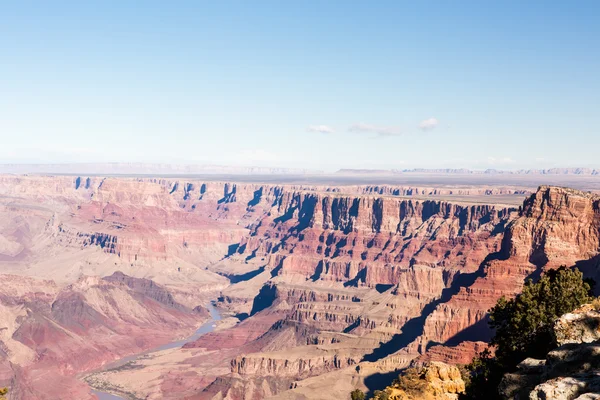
(433, 381)
(570, 372)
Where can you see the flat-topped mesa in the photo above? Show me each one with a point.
(255, 193)
(375, 240)
(150, 218)
(465, 171)
(391, 190)
(375, 214)
(128, 246)
(556, 226)
(142, 188)
(154, 218)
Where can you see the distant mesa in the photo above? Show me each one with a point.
(465, 171)
(367, 172)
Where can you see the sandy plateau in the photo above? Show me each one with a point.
(322, 288)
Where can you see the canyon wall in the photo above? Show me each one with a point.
(442, 267)
(375, 240)
(315, 281)
(557, 226)
(53, 333)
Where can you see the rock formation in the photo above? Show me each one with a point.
(432, 381)
(51, 334)
(570, 372)
(323, 288)
(556, 226)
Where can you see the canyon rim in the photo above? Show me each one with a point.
(314, 284)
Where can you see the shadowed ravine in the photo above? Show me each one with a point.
(414, 327)
(207, 327)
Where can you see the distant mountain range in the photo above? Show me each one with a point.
(550, 171)
(149, 168)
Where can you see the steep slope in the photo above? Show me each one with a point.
(372, 240)
(346, 275)
(316, 283)
(557, 226)
(53, 334)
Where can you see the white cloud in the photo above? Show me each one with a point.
(380, 130)
(540, 159)
(428, 124)
(376, 129)
(321, 129)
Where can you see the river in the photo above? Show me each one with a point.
(202, 330)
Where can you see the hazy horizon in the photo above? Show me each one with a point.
(150, 168)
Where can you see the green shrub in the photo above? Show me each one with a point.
(357, 394)
(411, 382)
(381, 395)
(523, 327)
(524, 324)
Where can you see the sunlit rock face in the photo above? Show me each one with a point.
(320, 286)
(434, 380)
(557, 226)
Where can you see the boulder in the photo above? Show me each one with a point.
(579, 386)
(579, 326)
(433, 381)
(517, 385)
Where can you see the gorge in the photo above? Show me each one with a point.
(322, 288)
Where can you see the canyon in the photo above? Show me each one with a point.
(323, 287)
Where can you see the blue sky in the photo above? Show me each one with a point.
(323, 84)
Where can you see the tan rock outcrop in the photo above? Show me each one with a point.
(432, 381)
(579, 326)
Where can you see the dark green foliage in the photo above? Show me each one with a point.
(411, 382)
(481, 377)
(592, 285)
(524, 327)
(357, 394)
(381, 395)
